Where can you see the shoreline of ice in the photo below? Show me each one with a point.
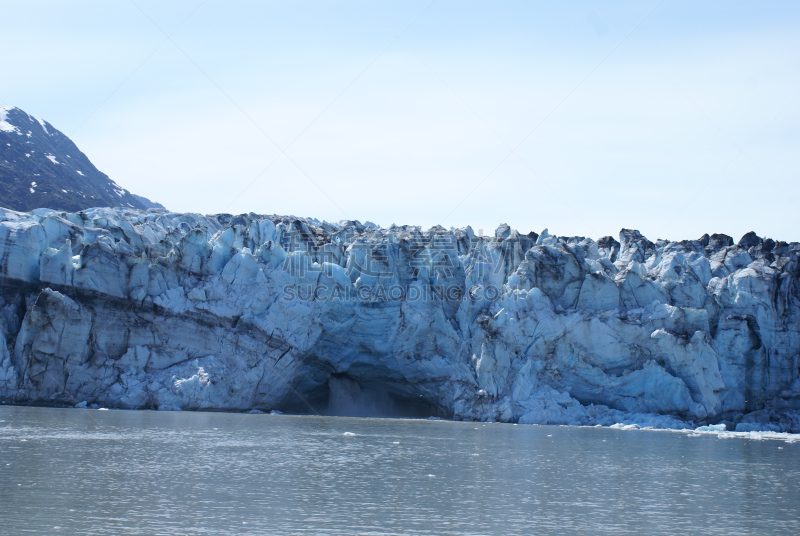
(719, 430)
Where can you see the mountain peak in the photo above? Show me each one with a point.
(41, 167)
(15, 120)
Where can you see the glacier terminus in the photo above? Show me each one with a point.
(128, 308)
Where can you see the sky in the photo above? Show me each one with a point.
(676, 118)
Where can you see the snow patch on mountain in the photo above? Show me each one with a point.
(5, 126)
(44, 127)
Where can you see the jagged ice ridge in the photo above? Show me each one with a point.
(133, 309)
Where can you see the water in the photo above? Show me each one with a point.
(65, 471)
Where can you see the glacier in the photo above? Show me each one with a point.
(126, 308)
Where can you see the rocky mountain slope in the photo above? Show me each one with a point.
(41, 167)
(135, 309)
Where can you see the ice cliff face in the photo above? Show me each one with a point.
(153, 309)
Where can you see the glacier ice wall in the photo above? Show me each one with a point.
(133, 309)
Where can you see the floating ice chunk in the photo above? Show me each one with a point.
(756, 427)
(711, 428)
(620, 426)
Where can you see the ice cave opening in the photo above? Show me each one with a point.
(345, 395)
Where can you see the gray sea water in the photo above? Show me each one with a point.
(69, 471)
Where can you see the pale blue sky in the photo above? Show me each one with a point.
(607, 131)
